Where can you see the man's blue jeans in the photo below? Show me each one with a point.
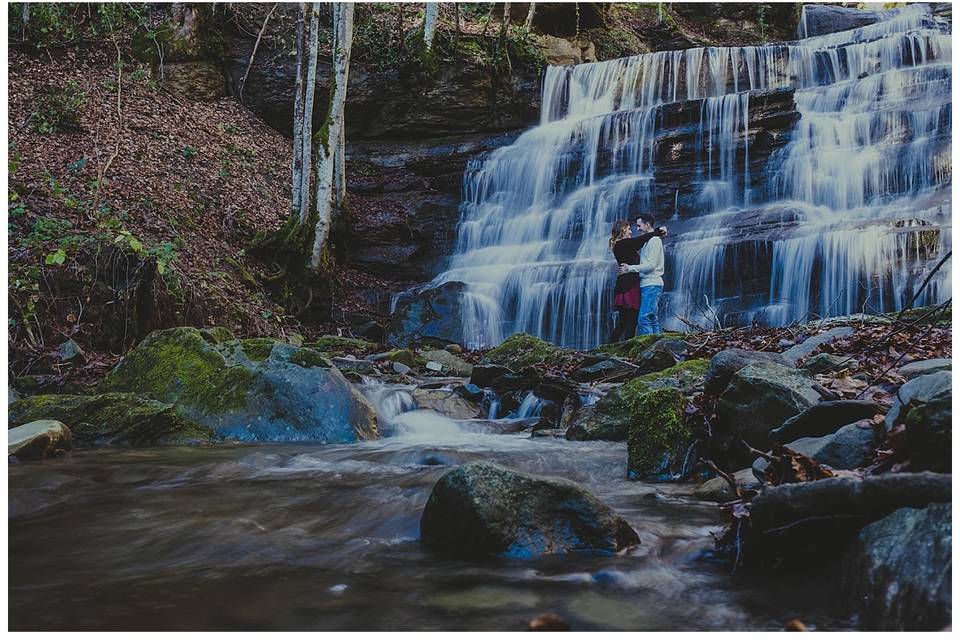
(649, 320)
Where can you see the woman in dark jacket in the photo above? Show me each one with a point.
(626, 294)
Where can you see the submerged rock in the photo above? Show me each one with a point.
(112, 419)
(38, 440)
(823, 419)
(255, 389)
(446, 402)
(486, 508)
(897, 574)
(761, 396)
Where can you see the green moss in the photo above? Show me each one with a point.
(310, 358)
(659, 429)
(632, 348)
(112, 418)
(216, 335)
(684, 374)
(407, 357)
(258, 349)
(340, 346)
(178, 365)
(523, 350)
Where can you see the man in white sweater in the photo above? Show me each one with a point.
(650, 269)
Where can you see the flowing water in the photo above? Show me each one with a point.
(849, 216)
(294, 536)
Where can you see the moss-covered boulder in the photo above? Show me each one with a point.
(632, 348)
(254, 389)
(112, 419)
(341, 346)
(658, 432)
(523, 350)
(612, 417)
(407, 357)
(486, 508)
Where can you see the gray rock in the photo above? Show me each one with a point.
(827, 363)
(452, 365)
(483, 507)
(724, 364)
(924, 367)
(469, 391)
(719, 490)
(555, 389)
(401, 368)
(430, 313)
(453, 348)
(254, 389)
(38, 440)
(897, 574)
(823, 419)
(806, 348)
(69, 350)
(483, 375)
(12, 394)
(115, 419)
(851, 447)
(655, 359)
(366, 367)
(610, 370)
(761, 396)
(821, 19)
(447, 403)
(923, 405)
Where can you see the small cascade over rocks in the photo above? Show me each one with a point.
(799, 178)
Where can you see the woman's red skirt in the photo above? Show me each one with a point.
(628, 299)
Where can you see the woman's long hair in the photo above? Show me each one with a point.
(619, 230)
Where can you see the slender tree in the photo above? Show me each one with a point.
(310, 86)
(331, 136)
(298, 108)
(528, 23)
(430, 23)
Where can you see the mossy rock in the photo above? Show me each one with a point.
(612, 417)
(523, 350)
(253, 389)
(632, 348)
(341, 346)
(112, 419)
(217, 335)
(658, 431)
(407, 357)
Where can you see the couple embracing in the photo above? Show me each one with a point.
(640, 281)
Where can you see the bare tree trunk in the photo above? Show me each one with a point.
(430, 23)
(24, 19)
(326, 153)
(253, 54)
(400, 34)
(298, 110)
(504, 22)
(310, 86)
(529, 21)
(456, 33)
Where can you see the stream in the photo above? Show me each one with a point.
(311, 537)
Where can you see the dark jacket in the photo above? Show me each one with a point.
(627, 252)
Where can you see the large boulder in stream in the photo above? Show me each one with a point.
(486, 508)
(725, 364)
(897, 574)
(761, 396)
(923, 406)
(254, 389)
(124, 419)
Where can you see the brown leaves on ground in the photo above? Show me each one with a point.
(788, 466)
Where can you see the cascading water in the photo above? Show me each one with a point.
(847, 216)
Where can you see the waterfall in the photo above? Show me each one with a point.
(846, 215)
